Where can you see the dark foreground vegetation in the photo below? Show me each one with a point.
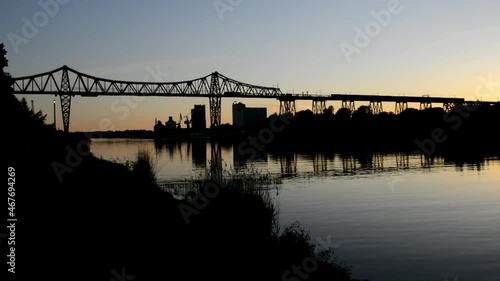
(82, 218)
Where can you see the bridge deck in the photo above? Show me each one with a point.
(350, 97)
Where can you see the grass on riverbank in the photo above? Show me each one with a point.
(232, 213)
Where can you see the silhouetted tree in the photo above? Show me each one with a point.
(343, 113)
(362, 112)
(22, 124)
(328, 111)
(305, 114)
(5, 79)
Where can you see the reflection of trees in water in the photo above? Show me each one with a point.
(479, 166)
(240, 160)
(363, 159)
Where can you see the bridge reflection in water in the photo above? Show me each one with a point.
(278, 167)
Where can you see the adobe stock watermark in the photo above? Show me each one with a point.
(486, 84)
(372, 29)
(310, 264)
(265, 136)
(123, 105)
(456, 118)
(121, 276)
(31, 26)
(394, 179)
(223, 6)
(73, 157)
(328, 243)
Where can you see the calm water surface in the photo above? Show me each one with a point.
(389, 216)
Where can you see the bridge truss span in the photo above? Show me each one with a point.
(87, 85)
(67, 82)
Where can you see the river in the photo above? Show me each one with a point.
(390, 216)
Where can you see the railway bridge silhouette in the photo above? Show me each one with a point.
(66, 82)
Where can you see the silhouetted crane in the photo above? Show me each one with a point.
(187, 122)
(180, 121)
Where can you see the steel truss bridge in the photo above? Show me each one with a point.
(66, 83)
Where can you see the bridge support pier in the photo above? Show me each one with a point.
(65, 110)
(215, 111)
(318, 106)
(376, 107)
(287, 106)
(215, 99)
(349, 104)
(401, 106)
(425, 105)
(65, 98)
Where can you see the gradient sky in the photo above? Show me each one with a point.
(436, 48)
